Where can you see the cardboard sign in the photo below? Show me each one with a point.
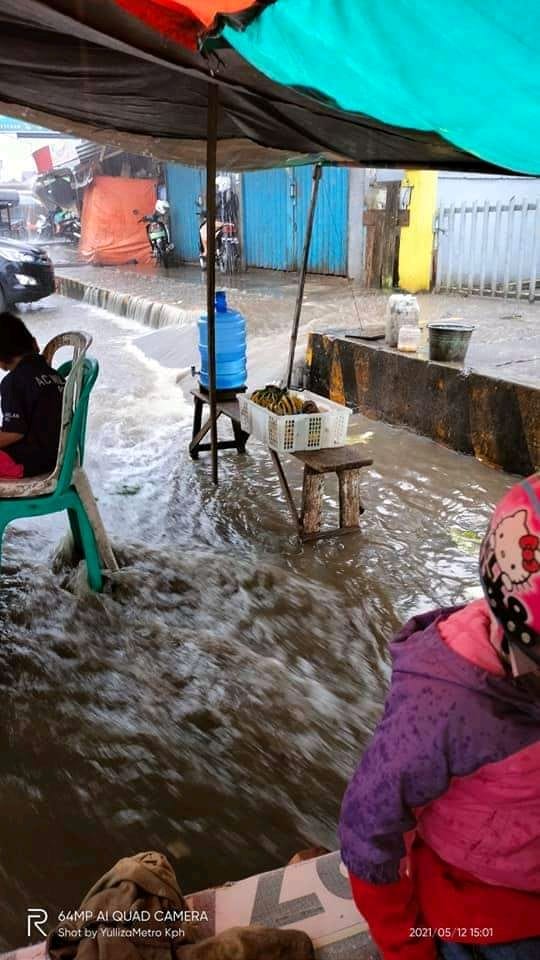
(313, 896)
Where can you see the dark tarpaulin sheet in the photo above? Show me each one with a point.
(94, 70)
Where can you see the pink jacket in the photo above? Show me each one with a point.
(488, 823)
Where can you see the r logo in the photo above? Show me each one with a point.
(35, 919)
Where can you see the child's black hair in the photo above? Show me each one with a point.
(15, 338)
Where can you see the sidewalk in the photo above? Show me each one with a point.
(505, 344)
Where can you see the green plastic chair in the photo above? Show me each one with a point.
(38, 496)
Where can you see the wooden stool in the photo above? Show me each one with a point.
(347, 463)
(226, 408)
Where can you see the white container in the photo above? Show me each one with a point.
(390, 319)
(408, 339)
(304, 431)
(402, 310)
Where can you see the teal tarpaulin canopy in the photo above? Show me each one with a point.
(468, 70)
(99, 71)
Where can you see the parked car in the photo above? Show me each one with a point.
(26, 273)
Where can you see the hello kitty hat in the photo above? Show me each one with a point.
(510, 573)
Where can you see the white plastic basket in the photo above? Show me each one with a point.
(304, 431)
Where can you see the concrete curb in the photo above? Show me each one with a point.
(468, 411)
(151, 313)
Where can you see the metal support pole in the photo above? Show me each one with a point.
(317, 174)
(211, 162)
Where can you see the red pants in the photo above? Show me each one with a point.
(9, 470)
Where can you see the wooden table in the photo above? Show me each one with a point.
(346, 462)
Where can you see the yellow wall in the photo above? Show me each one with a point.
(416, 240)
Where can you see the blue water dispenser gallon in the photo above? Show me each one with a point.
(231, 367)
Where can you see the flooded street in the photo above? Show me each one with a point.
(505, 343)
(213, 702)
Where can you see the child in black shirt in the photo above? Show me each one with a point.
(31, 399)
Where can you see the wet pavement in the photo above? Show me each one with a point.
(505, 343)
(213, 702)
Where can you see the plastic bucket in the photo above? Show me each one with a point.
(448, 340)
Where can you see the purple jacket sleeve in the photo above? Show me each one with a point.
(406, 765)
(443, 718)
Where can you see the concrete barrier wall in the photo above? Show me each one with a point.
(495, 420)
(151, 313)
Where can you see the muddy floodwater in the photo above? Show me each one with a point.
(213, 702)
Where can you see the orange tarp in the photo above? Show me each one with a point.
(207, 10)
(110, 231)
(180, 21)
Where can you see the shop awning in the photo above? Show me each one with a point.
(99, 71)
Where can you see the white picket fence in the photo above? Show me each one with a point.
(489, 249)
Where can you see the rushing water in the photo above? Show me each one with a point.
(213, 701)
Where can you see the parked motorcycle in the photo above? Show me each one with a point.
(158, 233)
(69, 227)
(227, 241)
(227, 247)
(60, 225)
(57, 193)
(45, 226)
